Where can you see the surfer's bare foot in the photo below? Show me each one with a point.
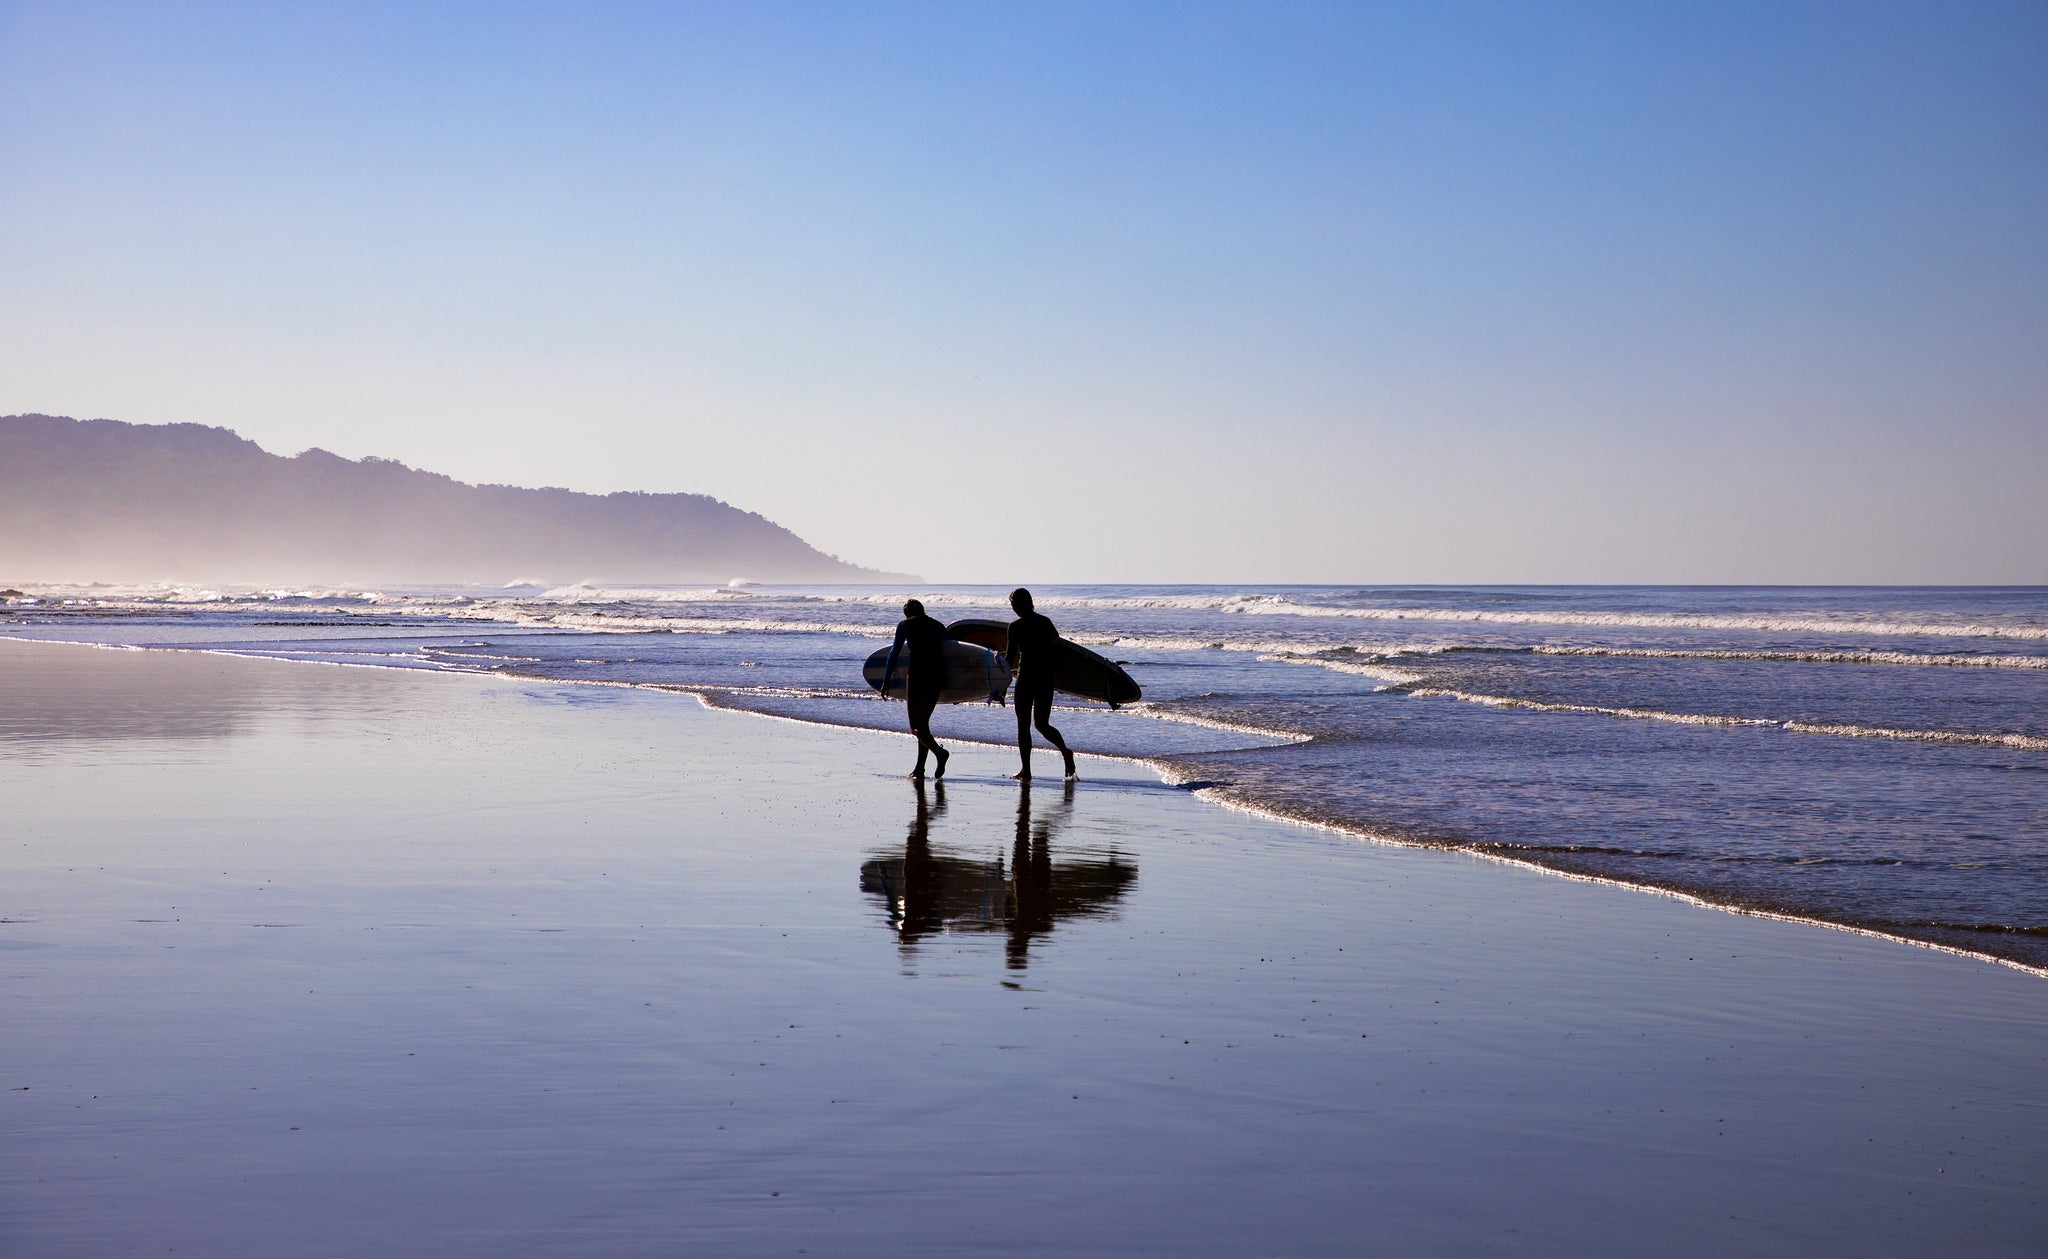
(1071, 771)
(1022, 775)
(943, 756)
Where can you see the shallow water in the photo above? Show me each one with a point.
(1872, 757)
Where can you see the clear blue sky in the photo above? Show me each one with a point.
(1349, 292)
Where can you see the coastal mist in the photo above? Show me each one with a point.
(1874, 758)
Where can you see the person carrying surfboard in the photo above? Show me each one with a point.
(1032, 648)
(926, 639)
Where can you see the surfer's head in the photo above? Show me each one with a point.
(912, 607)
(1020, 600)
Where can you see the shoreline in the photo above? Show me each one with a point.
(1168, 774)
(1214, 796)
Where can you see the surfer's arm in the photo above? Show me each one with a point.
(889, 669)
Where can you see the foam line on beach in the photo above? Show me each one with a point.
(722, 699)
(2022, 742)
(726, 697)
(729, 699)
(1949, 660)
(1280, 738)
(1222, 794)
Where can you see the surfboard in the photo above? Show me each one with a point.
(972, 674)
(1075, 670)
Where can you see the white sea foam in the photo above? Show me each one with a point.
(1935, 659)
(1283, 737)
(1365, 668)
(601, 622)
(2024, 742)
(1283, 605)
(1768, 622)
(586, 593)
(1175, 642)
(97, 594)
(508, 601)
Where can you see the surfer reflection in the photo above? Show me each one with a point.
(931, 892)
(920, 879)
(925, 640)
(1032, 649)
(1031, 877)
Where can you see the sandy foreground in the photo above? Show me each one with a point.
(305, 960)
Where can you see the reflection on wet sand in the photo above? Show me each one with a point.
(61, 693)
(931, 891)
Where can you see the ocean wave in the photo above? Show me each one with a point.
(1146, 708)
(2018, 742)
(433, 651)
(1941, 660)
(1989, 928)
(600, 622)
(1779, 623)
(1365, 668)
(1255, 646)
(769, 692)
(584, 592)
(526, 603)
(2022, 742)
(1717, 858)
(1284, 605)
(99, 594)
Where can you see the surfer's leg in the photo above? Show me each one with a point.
(1022, 702)
(1041, 711)
(921, 706)
(927, 740)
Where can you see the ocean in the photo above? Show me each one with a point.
(1874, 758)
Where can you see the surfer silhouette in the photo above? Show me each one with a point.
(925, 639)
(1033, 644)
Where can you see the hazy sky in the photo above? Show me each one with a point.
(1092, 292)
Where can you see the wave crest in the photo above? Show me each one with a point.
(2022, 742)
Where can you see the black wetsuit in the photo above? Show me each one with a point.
(926, 639)
(1032, 649)
(1033, 642)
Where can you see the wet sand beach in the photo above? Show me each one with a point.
(315, 960)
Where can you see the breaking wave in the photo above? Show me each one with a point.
(1942, 660)
(1365, 668)
(1284, 605)
(2024, 742)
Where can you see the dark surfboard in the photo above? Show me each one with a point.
(972, 673)
(1076, 670)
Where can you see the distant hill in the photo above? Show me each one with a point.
(100, 500)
